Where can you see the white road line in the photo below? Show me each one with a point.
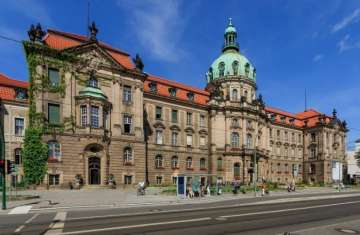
(26, 222)
(31, 219)
(290, 209)
(210, 207)
(57, 226)
(70, 207)
(20, 210)
(135, 226)
(19, 228)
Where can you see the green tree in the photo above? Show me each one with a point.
(34, 154)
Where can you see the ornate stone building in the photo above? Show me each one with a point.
(105, 118)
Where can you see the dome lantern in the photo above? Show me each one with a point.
(230, 37)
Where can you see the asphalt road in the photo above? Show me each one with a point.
(227, 218)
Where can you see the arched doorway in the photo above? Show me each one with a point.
(94, 170)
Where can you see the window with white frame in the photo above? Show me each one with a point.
(127, 155)
(127, 96)
(189, 139)
(188, 118)
(248, 140)
(174, 137)
(84, 115)
(19, 126)
(18, 159)
(158, 180)
(127, 123)
(202, 120)
(189, 163)
(54, 149)
(158, 161)
(127, 179)
(219, 163)
(235, 140)
(94, 116)
(54, 179)
(312, 153)
(159, 137)
(174, 162)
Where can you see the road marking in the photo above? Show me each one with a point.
(20, 210)
(57, 226)
(26, 222)
(136, 226)
(210, 207)
(19, 228)
(290, 209)
(70, 207)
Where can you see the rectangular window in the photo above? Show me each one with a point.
(95, 116)
(54, 113)
(158, 113)
(188, 118)
(202, 120)
(127, 123)
(54, 77)
(54, 179)
(19, 126)
(202, 141)
(174, 179)
(174, 116)
(174, 136)
(84, 115)
(158, 179)
(299, 138)
(18, 159)
(189, 140)
(127, 179)
(127, 97)
(159, 139)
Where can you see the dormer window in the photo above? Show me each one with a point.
(283, 119)
(247, 69)
(20, 94)
(153, 87)
(172, 91)
(221, 69)
(93, 82)
(235, 67)
(190, 96)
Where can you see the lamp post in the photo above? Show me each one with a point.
(2, 156)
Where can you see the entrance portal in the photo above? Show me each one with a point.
(94, 170)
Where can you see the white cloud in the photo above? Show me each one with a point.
(354, 17)
(346, 44)
(318, 57)
(158, 26)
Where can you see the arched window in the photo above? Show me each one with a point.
(235, 67)
(235, 123)
(189, 163)
(235, 140)
(93, 82)
(237, 171)
(158, 161)
(202, 163)
(174, 162)
(248, 140)
(54, 149)
(221, 69)
(219, 163)
(127, 155)
(18, 159)
(234, 94)
(247, 69)
(246, 94)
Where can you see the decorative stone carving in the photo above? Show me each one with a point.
(93, 32)
(36, 33)
(138, 63)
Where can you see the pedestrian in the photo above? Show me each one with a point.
(208, 190)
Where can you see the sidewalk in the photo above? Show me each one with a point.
(128, 198)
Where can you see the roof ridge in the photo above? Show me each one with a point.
(82, 38)
(10, 81)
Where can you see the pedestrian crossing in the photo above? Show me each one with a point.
(20, 210)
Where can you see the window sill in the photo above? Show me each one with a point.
(203, 169)
(220, 169)
(127, 102)
(159, 168)
(175, 168)
(128, 164)
(190, 169)
(53, 160)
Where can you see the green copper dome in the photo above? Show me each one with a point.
(93, 92)
(231, 62)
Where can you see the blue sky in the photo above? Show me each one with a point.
(293, 44)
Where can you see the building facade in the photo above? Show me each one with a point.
(14, 110)
(353, 169)
(105, 119)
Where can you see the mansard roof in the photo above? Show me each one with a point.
(8, 87)
(62, 40)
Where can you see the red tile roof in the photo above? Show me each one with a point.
(201, 96)
(8, 85)
(62, 40)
